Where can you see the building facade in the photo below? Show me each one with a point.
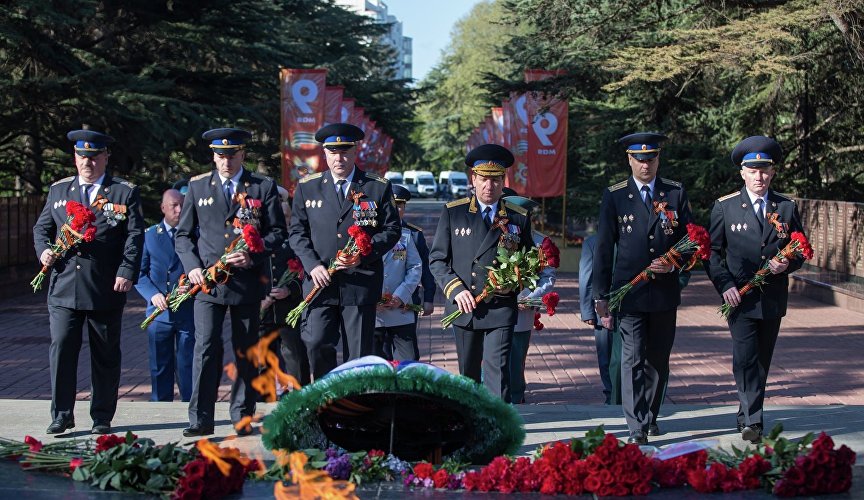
(402, 45)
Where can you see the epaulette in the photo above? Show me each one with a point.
(67, 179)
(516, 208)
(785, 198)
(310, 177)
(730, 195)
(125, 183)
(151, 227)
(671, 182)
(200, 176)
(376, 177)
(456, 203)
(414, 227)
(616, 187)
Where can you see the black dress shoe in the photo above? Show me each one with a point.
(638, 437)
(752, 433)
(60, 424)
(653, 430)
(246, 430)
(740, 428)
(101, 427)
(195, 430)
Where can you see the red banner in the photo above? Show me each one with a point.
(333, 104)
(498, 124)
(347, 111)
(517, 175)
(302, 105)
(547, 140)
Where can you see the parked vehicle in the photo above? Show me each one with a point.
(452, 184)
(393, 177)
(420, 182)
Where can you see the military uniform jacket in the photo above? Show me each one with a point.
(160, 270)
(402, 271)
(319, 228)
(84, 278)
(278, 262)
(206, 209)
(426, 280)
(462, 250)
(640, 237)
(739, 247)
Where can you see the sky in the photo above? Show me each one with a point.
(429, 24)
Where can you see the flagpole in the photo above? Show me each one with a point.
(564, 208)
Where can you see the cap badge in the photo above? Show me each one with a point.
(758, 156)
(224, 142)
(644, 147)
(86, 145)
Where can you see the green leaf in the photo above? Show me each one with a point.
(154, 463)
(104, 480)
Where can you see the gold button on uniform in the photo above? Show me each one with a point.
(338, 235)
(78, 267)
(473, 287)
(651, 250)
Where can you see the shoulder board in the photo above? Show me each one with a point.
(515, 208)
(616, 187)
(456, 203)
(151, 227)
(671, 182)
(376, 177)
(310, 177)
(200, 176)
(730, 195)
(124, 182)
(414, 228)
(67, 179)
(784, 197)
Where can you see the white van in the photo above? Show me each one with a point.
(452, 184)
(393, 177)
(420, 182)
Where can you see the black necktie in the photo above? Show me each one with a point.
(85, 194)
(226, 187)
(487, 216)
(646, 196)
(760, 216)
(339, 184)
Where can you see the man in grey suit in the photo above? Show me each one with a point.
(211, 219)
(88, 285)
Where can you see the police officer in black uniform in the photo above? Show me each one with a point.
(212, 204)
(88, 284)
(644, 216)
(748, 227)
(466, 242)
(326, 205)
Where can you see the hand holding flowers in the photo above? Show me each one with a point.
(77, 228)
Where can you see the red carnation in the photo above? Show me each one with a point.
(441, 478)
(108, 441)
(537, 324)
(361, 239)
(89, 234)
(35, 444)
(295, 266)
(550, 253)
(700, 236)
(423, 470)
(804, 247)
(75, 463)
(550, 300)
(253, 239)
(81, 215)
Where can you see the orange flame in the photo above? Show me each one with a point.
(261, 356)
(218, 455)
(313, 484)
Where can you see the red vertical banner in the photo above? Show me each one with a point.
(517, 175)
(333, 104)
(488, 127)
(302, 109)
(547, 140)
(386, 151)
(347, 111)
(498, 124)
(507, 118)
(358, 117)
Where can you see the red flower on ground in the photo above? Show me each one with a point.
(441, 478)
(253, 239)
(108, 441)
(75, 463)
(35, 444)
(423, 470)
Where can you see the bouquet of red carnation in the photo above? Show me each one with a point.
(697, 241)
(821, 470)
(387, 297)
(550, 256)
(77, 228)
(218, 274)
(359, 244)
(798, 246)
(549, 301)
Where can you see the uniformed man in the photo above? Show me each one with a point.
(643, 216)
(525, 322)
(466, 242)
(748, 227)
(326, 205)
(171, 336)
(213, 202)
(279, 302)
(88, 285)
(424, 295)
(395, 326)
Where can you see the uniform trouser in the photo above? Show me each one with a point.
(603, 344)
(321, 333)
(647, 343)
(492, 348)
(294, 354)
(207, 365)
(103, 334)
(615, 366)
(171, 350)
(518, 356)
(753, 342)
(397, 342)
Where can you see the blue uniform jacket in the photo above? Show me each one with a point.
(160, 270)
